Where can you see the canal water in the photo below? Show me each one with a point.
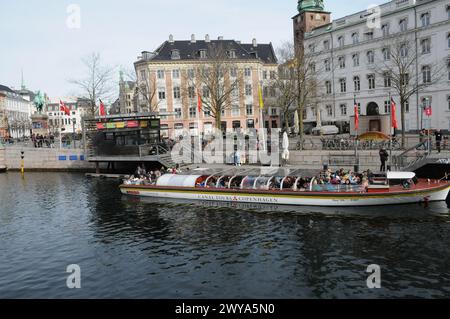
(131, 248)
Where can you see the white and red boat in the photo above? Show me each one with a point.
(288, 188)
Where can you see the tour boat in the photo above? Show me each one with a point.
(285, 187)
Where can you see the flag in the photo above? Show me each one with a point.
(428, 110)
(63, 107)
(356, 116)
(394, 114)
(261, 101)
(199, 101)
(102, 109)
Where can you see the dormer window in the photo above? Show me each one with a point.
(175, 55)
(231, 54)
(203, 54)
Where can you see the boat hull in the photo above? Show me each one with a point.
(438, 193)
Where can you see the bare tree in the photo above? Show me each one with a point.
(98, 83)
(404, 67)
(218, 80)
(146, 89)
(303, 73)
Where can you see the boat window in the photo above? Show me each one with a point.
(223, 182)
(201, 181)
(262, 181)
(236, 182)
(249, 181)
(288, 182)
(275, 182)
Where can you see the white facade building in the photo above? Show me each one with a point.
(349, 50)
(57, 118)
(15, 114)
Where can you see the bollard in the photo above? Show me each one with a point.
(22, 166)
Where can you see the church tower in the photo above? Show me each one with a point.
(310, 15)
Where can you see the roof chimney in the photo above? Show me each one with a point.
(193, 38)
(220, 38)
(171, 38)
(207, 38)
(255, 44)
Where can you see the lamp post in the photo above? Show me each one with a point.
(73, 131)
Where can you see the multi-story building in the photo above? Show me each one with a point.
(170, 76)
(15, 114)
(351, 52)
(58, 119)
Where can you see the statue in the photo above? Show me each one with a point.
(39, 101)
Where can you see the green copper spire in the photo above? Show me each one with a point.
(310, 5)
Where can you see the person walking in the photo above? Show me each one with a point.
(383, 158)
(438, 136)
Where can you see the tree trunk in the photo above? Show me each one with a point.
(300, 124)
(218, 121)
(402, 108)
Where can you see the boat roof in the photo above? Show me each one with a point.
(400, 175)
(252, 171)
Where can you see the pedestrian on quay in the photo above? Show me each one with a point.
(438, 136)
(383, 158)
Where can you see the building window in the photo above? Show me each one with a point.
(326, 45)
(176, 93)
(176, 74)
(329, 110)
(163, 111)
(448, 102)
(248, 90)
(342, 62)
(264, 75)
(248, 72)
(305, 114)
(191, 92)
(371, 79)
(341, 41)
(235, 110)
(312, 67)
(175, 55)
(162, 94)
(426, 74)
(387, 80)
(203, 54)
(249, 109)
(160, 74)
(404, 50)
(404, 79)
(386, 54)
(273, 75)
(355, 38)
(407, 106)
(178, 113)
(403, 25)
(328, 64)
(328, 87)
(312, 47)
(191, 73)
(355, 59)
(233, 72)
(273, 111)
(426, 46)
(192, 112)
(370, 57)
(206, 113)
(369, 36)
(205, 92)
(357, 83)
(343, 108)
(448, 70)
(448, 40)
(387, 107)
(425, 19)
(343, 83)
(448, 12)
(265, 91)
(385, 30)
(143, 75)
(231, 54)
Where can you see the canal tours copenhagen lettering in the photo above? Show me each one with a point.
(238, 198)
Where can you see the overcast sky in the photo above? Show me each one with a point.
(35, 36)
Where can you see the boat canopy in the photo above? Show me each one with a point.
(178, 180)
(400, 175)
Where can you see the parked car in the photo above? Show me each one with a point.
(325, 130)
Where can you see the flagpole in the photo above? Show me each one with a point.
(390, 131)
(355, 107)
(261, 111)
(60, 127)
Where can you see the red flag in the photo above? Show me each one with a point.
(356, 116)
(63, 107)
(394, 114)
(102, 109)
(199, 102)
